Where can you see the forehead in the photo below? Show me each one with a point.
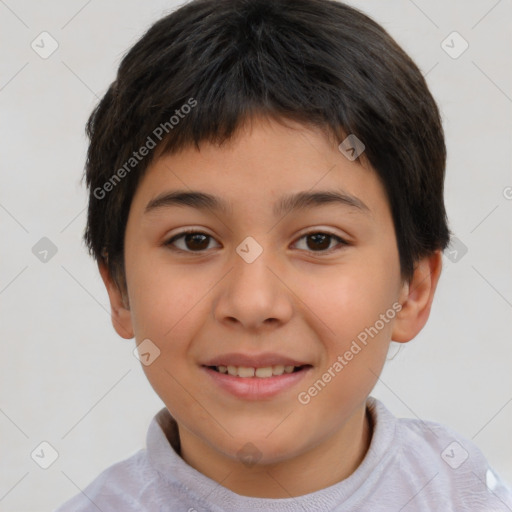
(265, 165)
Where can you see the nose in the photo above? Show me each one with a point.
(254, 295)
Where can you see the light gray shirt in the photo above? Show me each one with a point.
(411, 465)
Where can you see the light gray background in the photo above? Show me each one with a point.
(68, 379)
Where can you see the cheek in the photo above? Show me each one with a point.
(162, 297)
(165, 311)
(360, 318)
(166, 308)
(350, 300)
(356, 307)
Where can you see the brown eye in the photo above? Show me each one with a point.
(190, 241)
(196, 241)
(321, 242)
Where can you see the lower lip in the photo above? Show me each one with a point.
(256, 388)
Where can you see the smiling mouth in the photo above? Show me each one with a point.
(247, 372)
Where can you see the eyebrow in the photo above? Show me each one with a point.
(287, 204)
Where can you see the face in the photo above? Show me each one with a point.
(288, 280)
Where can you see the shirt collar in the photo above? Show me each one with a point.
(163, 448)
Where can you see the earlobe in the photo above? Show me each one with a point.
(120, 312)
(416, 298)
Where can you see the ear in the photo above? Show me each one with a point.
(120, 311)
(416, 298)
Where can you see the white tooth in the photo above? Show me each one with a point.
(244, 371)
(264, 372)
(278, 369)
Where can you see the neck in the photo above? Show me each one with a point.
(334, 459)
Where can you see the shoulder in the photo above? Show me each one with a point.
(149, 480)
(450, 465)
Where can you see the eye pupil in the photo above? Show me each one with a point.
(196, 237)
(321, 241)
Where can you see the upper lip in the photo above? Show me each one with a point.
(253, 361)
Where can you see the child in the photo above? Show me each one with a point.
(299, 147)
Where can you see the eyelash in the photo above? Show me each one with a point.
(169, 243)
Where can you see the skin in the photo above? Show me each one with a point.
(293, 299)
